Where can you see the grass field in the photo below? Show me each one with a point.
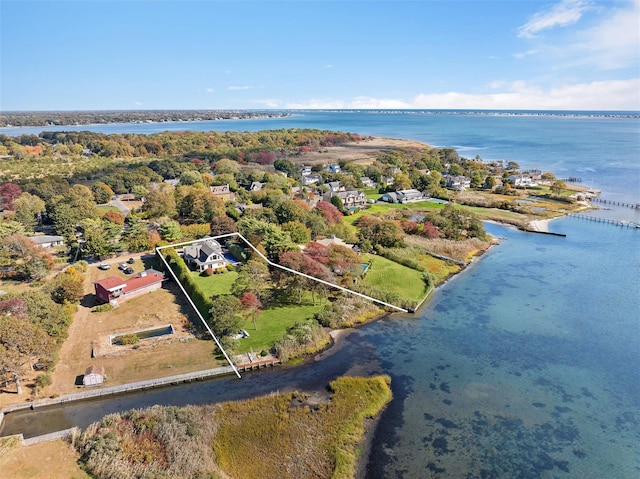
(215, 284)
(272, 325)
(380, 208)
(390, 276)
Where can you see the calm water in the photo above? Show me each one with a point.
(525, 365)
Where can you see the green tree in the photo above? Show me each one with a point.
(102, 194)
(299, 233)
(401, 181)
(136, 237)
(96, 237)
(159, 204)
(170, 231)
(29, 209)
(557, 187)
(253, 277)
(225, 316)
(67, 286)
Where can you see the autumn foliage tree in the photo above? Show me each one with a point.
(252, 305)
(330, 213)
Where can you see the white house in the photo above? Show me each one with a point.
(204, 255)
(522, 180)
(47, 241)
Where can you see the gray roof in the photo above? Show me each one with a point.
(44, 239)
(200, 252)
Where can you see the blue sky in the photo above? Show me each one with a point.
(480, 54)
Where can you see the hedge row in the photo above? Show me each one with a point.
(202, 302)
(393, 255)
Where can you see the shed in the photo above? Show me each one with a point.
(93, 376)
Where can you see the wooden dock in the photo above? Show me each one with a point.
(616, 203)
(614, 222)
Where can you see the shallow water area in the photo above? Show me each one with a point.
(509, 372)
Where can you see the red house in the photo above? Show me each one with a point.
(115, 289)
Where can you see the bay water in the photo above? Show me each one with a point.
(525, 365)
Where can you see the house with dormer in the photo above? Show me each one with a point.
(206, 254)
(223, 192)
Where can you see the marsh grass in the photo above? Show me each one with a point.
(290, 436)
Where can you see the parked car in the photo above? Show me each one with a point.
(122, 266)
(104, 266)
(131, 260)
(127, 270)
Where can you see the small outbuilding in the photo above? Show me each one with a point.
(93, 376)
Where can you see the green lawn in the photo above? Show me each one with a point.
(390, 276)
(272, 325)
(379, 208)
(215, 284)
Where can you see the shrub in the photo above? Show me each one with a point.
(102, 308)
(131, 338)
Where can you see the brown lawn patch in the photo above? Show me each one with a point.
(51, 460)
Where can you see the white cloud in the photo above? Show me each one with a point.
(601, 95)
(243, 87)
(615, 41)
(565, 13)
(209, 90)
(522, 55)
(138, 103)
(328, 66)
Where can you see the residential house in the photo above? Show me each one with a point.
(335, 186)
(352, 199)
(173, 182)
(116, 290)
(93, 376)
(256, 186)
(206, 254)
(223, 191)
(305, 170)
(47, 241)
(333, 168)
(522, 180)
(457, 182)
(367, 182)
(390, 197)
(311, 179)
(409, 196)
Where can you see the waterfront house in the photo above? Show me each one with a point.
(112, 289)
(204, 255)
(93, 376)
(333, 168)
(522, 180)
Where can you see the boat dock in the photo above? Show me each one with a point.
(614, 222)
